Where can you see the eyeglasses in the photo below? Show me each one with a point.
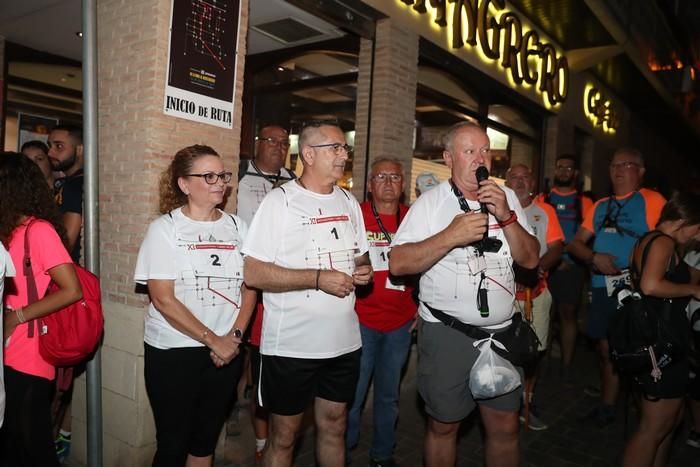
(211, 177)
(336, 147)
(383, 178)
(565, 169)
(624, 165)
(283, 143)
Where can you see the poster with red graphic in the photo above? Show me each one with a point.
(203, 50)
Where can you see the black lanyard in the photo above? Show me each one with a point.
(460, 197)
(381, 224)
(269, 178)
(610, 220)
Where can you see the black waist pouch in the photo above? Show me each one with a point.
(519, 337)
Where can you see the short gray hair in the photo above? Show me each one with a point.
(452, 131)
(391, 160)
(311, 128)
(636, 153)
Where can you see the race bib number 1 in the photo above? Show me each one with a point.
(333, 241)
(333, 233)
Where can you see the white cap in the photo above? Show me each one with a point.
(426, 181)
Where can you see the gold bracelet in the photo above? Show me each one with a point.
(205, 334)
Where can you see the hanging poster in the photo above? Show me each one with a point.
(201, 75)
(33, 127)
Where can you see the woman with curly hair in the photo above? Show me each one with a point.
(191, 262)
(28, 214)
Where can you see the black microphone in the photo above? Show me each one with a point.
(482, 174)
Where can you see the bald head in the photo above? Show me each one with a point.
(519, 179)
(271, 148)
(469, 127)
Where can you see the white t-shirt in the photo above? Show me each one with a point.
(205, 261)
(298, 229)
(537, 220)
(451, 284)
(7, 269)
(253, 187)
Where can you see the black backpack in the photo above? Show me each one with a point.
(641, 336)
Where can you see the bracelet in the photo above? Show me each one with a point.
(205, 334)
(20, 316)
(318, 276)
(512, 218)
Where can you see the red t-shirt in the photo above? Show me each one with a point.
(378, 307)
(256, 326)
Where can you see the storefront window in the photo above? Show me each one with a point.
(294, 87)
(443, 100)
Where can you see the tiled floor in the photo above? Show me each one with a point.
(568, 442)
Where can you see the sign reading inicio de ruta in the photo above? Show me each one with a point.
(522, 52)
(202, 61)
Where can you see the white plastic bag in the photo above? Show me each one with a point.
(492, 375)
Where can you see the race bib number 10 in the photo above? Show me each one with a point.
(379, 255)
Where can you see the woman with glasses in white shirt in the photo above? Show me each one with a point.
(190, 261)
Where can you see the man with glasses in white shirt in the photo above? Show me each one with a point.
(259, 176)
(307, 251)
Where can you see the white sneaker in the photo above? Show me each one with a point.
(535, 424)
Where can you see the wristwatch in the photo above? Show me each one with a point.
(237, 333)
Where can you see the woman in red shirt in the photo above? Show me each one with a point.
(26, 199)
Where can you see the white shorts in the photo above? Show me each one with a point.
(540, 316)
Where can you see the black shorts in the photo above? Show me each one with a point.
(674, 382)
(288, 385)
(566, 282)
(694, 384)
(254, 352)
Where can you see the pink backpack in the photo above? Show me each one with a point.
(70, 335)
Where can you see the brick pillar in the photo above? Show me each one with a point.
(393, 103)
(3, 92)
(551, 149)
(136, 142)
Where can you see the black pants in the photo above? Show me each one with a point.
(191, 400)
(27, 438)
